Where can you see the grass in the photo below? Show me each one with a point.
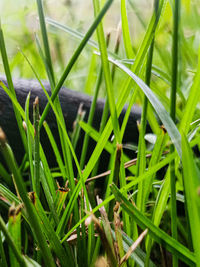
(148, 212)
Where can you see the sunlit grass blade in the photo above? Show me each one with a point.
(162, 113)
(75, 57)
(191, 184)
(48, 60)
(126, 32)
(75, 33)
(107, 74)
(192, 101)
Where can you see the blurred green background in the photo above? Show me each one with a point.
(20, 25)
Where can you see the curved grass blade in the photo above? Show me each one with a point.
(161, 111)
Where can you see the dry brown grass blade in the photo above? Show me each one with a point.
(134, 246)
(126, 165)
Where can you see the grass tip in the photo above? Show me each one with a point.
(2, 137)
(36, 102)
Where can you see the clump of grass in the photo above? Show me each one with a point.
(47, 223)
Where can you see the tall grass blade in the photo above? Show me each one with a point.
(191, 184)
(75, 57)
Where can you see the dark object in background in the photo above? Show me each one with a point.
(70, 101)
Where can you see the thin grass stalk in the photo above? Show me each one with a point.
(92, 110)
(174, 81)
(6, 176)
(2, 253)
(107, 74)
(12, 244)
(50, 73)
(75, 57)
(48, 60)
(76, 127)
(65, 149)
(141, 163)
(10, 160)
(105, 114)
(36, 146)
(55, 149)
(90, 118)
(29, 142)
(10, 85)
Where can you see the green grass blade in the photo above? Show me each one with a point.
(14, 227)
(10, 85)
(174, 81)
(3, 261)
(29, 142)
(192, 101)
(75, 57)
(126, 32)
(191, 183)
(160, 236)
(129, 186)
(36, 146)
(10, 160)
(72, 32)
(55, 149)
(107, 74)
(45, 43)
(162, 113)
(11, 243)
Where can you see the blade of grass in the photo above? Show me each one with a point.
(107, 74)
(2, 253)
(162, 113)
(141, 162)
(160, 236)
(75, 57)
(10, 85)
(29, 142)
(191, 184)
(126, 32)
(55, 149)
(11, 243)
(45, 43)
(36, 146)
(9, 158)
(129, 186)
(43, 158)
(174, 80)
(14, 227)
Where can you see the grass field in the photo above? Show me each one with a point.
(129, 52)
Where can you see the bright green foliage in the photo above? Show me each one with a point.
(152, 59)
